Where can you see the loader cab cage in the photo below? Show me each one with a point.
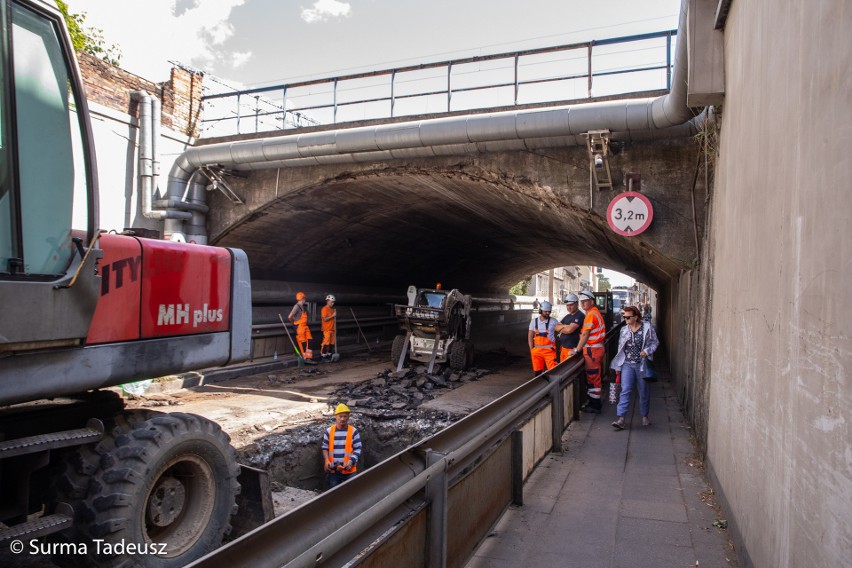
(47, 183)
(432, 299)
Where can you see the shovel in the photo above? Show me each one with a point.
(299, 357)
(359, 329)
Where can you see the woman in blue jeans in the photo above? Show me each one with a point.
(637, 341)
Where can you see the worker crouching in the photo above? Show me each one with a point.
(341, 448)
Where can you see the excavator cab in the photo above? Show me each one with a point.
(48, 190)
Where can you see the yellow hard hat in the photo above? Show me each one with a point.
(341, 408)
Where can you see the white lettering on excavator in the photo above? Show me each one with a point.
(178, 314)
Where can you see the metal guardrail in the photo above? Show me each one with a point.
(431, 504)
(400, 85)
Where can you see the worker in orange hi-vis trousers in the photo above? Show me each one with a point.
(541, 339)
(592, 347)
(328, 315)
(299, 317)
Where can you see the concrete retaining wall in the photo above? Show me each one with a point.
(778, 440)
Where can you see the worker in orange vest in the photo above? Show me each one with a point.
(341, 448)
(329, 327)
(299, 317)
(541, 339)
(592, 347)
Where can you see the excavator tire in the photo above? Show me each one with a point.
(168, 483)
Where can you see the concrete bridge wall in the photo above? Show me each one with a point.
(771, 299)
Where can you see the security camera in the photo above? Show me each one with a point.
(598, 161)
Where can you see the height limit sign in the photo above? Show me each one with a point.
(629, 214)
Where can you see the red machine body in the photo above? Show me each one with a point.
(152, 288)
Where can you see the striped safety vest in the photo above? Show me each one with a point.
(347, 447)
(594, 321)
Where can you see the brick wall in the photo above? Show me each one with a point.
(111, 87)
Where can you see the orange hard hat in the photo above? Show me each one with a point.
(300, 295)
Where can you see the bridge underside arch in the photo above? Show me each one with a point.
(479, 224)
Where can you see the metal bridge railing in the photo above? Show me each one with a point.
(431, 504)
(551, 74)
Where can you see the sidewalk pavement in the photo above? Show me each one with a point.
(635, 498)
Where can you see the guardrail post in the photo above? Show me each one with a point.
(557, 419)
(577, 392)
(517, 468)
(436, 494)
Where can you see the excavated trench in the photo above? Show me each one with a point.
(386, 410)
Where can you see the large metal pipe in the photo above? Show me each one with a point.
(664, 116)
(148, 164)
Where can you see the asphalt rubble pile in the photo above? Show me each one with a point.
(394, 394)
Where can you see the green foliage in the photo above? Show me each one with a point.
(520, 289)
(604, 285)
(88, 40)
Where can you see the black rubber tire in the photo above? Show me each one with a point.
(396, 350)
(459, 355)
(170, 479)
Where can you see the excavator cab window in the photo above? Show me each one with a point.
(44, 200)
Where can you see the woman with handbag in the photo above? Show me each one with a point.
(636, 345)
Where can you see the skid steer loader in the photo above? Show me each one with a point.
(435, 328)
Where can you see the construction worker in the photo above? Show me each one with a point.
(328, 315)
(341, 448)
(299, 317)
(541, 339)
(592, 346)
(569, 328)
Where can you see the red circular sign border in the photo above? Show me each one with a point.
(644, 227)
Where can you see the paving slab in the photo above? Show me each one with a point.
(612, 499)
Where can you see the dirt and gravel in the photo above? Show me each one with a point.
(276, 419)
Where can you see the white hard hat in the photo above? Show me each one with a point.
(586, 295)
(330, 297)
(571, 299)
(546, 307)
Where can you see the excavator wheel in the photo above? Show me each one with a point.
(168, 482)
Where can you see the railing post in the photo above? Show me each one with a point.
(334, 120)
(449, 86)
(516, 78)
(238, 113)
(256, 114)
(517, 468)
(436, 494)
(557, 419)
(669, 61)
(393, 81)
(284, 108)
(590, 69)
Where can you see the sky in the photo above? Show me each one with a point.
(252, 43)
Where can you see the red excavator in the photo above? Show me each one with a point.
(82, 310)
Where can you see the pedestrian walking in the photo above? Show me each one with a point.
(636, 345)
